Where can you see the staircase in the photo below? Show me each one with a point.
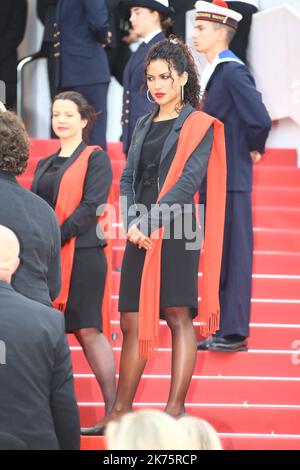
(251, 398)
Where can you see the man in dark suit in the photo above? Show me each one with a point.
(231, 96)
(37, 400)
(30, 217)
(81, 33)
(13, 15)
(46, 10)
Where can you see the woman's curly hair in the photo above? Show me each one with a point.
(179, 57)
(14, 144)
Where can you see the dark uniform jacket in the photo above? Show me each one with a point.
(232, 98)
(81, 31)
(135, 102)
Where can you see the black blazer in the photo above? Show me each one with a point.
(37, 400)
(182, 192)
(37, 229)
(83, 222)
(13, 15)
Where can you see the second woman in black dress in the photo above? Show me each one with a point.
(71, 116)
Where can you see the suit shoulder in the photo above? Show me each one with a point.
(40, 313)
(38, 202)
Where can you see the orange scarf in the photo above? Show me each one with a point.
(149, 307)
(69, 198)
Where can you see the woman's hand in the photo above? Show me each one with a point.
(2, 107)
(135, 236)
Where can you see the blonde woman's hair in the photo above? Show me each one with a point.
(147, 430)
(201, 435)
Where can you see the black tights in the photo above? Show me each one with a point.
(184, 352)
(100, 357)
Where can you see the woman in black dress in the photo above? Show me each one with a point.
(72, 116)
(160, 147)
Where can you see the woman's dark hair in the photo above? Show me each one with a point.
(178, 57)
(85, 109)
(14, 144)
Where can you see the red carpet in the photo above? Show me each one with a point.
(252, 399)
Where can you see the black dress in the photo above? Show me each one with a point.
(179, 266)
(89, 269)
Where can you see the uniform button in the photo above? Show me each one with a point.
(127, 92)
(127, 112)
(126, 121)
(58, 33)
(55, 25)
(127, 101)
(56, 55)
(57, 44)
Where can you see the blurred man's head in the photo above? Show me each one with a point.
(9, 253)
(14, 144)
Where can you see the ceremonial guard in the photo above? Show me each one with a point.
(229, 94)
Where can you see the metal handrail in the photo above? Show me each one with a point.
(20, 78)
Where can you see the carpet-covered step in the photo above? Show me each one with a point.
(276, 217)
(262, 310)
(279, 157)
(213, 364)
(286, 240)
(225, 419)
(262, 337)
(210, 390)
(229, 442)
(260, 442)
(92, 443)
(279, 197)
(276, 263)
(261, 287)
(277, 176)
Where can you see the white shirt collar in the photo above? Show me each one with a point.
(150, 36)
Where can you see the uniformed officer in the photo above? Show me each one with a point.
(81, 33)
(231, 96)
(149, 19)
